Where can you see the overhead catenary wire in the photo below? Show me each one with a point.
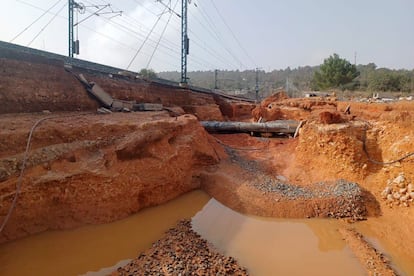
(211, 50)
(221, 41)
(215, 54)
(162, 34)
(132, 31)
(128, 24)
(215, 33)
(47, 24)
(232, 33)
(89, 29)
(37, 19)
(143, 43)
(126, 46)
(97, 12)
(123, 23)
(198, 60)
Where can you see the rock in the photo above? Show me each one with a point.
(385, 192)
(399, 180)
(403, 190)
(281, 178)
(401, 185)
(103, 110)
(403, 198)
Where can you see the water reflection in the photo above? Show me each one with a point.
(275, 246)
(91, 248)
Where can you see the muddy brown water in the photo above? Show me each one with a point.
(401, 261)
(269, 246)
(91, 248)
(265, 246)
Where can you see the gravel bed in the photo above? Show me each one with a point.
(346, 197)
(182, 252)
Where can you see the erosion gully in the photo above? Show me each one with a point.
(266, 246)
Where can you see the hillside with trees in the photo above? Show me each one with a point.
(334, 73)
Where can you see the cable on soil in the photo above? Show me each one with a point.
(25, 157)
(364, 148)
(385, 163)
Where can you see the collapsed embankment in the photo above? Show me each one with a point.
(95, 168)
(367, 143)
(89, 168)
(33, 83)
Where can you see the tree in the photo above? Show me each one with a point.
(335, 72)
(390, 80)
(148, 73)
(366, 72)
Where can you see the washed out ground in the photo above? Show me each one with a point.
(86, 168)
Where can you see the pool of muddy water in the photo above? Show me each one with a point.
(268, 246)
(265, 246)
(91, 248)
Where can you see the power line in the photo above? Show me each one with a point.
(162, 34)
(133, 27)
(220, 58)
(136, 34)
(232, 33)
(216, 35)
(198, 60)
(221, 43)
(123, 44)
(97, 12)
(47, 24)
(150, 11)
(37, 19)
(142, 45)
(216, 56)
(169, 52)
(90, 30)
(211, 52)
(169, 9)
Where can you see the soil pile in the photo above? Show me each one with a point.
(279, 107)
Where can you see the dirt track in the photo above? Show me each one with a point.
(90, 168)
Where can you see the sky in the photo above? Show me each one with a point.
(224, 34)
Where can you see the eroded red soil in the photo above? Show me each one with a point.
(98, 168)
(89, 168)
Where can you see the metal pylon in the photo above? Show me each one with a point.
(184, 41)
